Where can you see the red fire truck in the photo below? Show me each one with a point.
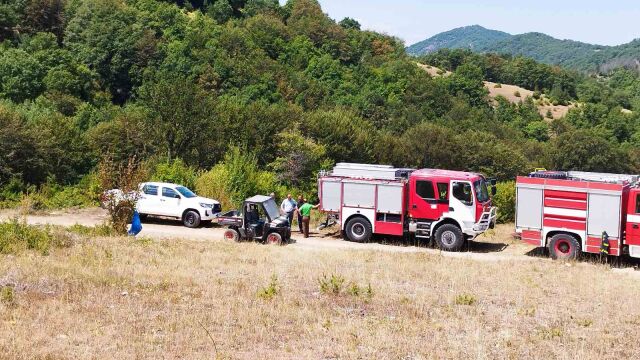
(448, 206)
(574, 212)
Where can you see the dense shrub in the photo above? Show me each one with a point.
(175, 171)
(17, 236)
(236, 178)
(505, 200)
(121, 203)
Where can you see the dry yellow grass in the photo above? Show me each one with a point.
(124, 299)
(509, 91)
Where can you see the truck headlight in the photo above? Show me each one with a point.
(206, 206)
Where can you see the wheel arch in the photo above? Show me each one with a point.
(187, 210)
(346, 221)
(553, 233)
(442, 222)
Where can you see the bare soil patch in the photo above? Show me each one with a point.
(511, 92)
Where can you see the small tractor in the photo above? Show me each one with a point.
(259, 220)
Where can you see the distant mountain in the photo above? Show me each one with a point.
(541, 47)
(473, 37)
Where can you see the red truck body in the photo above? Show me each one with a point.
(591, 208)
(378, 199)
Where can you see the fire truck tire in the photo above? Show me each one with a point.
(449, 237)
(358, 229)
(564, 247)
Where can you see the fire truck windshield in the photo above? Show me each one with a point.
(482, 193)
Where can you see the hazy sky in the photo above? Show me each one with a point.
(600, 22)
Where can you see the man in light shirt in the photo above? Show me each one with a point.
(288, 207)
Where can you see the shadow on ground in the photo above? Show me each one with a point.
(174, 222)
(470, 246)
(618, 262)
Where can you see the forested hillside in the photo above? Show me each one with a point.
(474, 37)
(254, 96)
(575, 55)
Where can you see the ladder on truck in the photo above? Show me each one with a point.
(603, 177)
(366, 171)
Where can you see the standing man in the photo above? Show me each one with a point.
(288, 207)
(305, 211)
(300, 203)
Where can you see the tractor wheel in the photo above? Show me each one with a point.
(232, 235)
(564, 247)
(449, 237)
(191, 219)
(358, 229)
(274, 239)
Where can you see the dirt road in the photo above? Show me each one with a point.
(495, 246)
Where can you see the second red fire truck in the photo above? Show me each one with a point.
(574, 212)
(449, 207)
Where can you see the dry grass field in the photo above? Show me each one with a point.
(120, 298)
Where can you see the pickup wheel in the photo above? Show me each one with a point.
(358, 229)
(232, 235)
(274, 239)
(449, 237)
(191, 219)
(564, 247)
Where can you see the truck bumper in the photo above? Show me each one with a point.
(208, 214)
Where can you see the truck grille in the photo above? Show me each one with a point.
(217, 208)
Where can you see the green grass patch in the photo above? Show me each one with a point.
(16, 236)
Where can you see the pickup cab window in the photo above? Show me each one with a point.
(150, 190)
(170, 193)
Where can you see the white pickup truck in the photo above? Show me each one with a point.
(173, 201)
(176, 201)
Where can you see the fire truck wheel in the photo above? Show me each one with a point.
(358, 230)
(232, 235)
(274, 239)
(564, 247)
(449, 237)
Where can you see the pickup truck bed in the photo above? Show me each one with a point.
(230, 218)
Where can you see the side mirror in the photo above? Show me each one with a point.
(494, 191)
(177, 196)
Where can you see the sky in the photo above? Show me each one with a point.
(600, 22)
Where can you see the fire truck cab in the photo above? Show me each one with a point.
(574, 212)
(449, 207)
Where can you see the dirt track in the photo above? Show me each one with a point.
(496, 245)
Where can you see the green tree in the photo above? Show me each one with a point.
(21, 75)
(349, 23)
(103, 35)
(538, 130)
(298, 160)
(179, 115)
(586, 150)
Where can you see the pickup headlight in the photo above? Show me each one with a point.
(206, 206)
